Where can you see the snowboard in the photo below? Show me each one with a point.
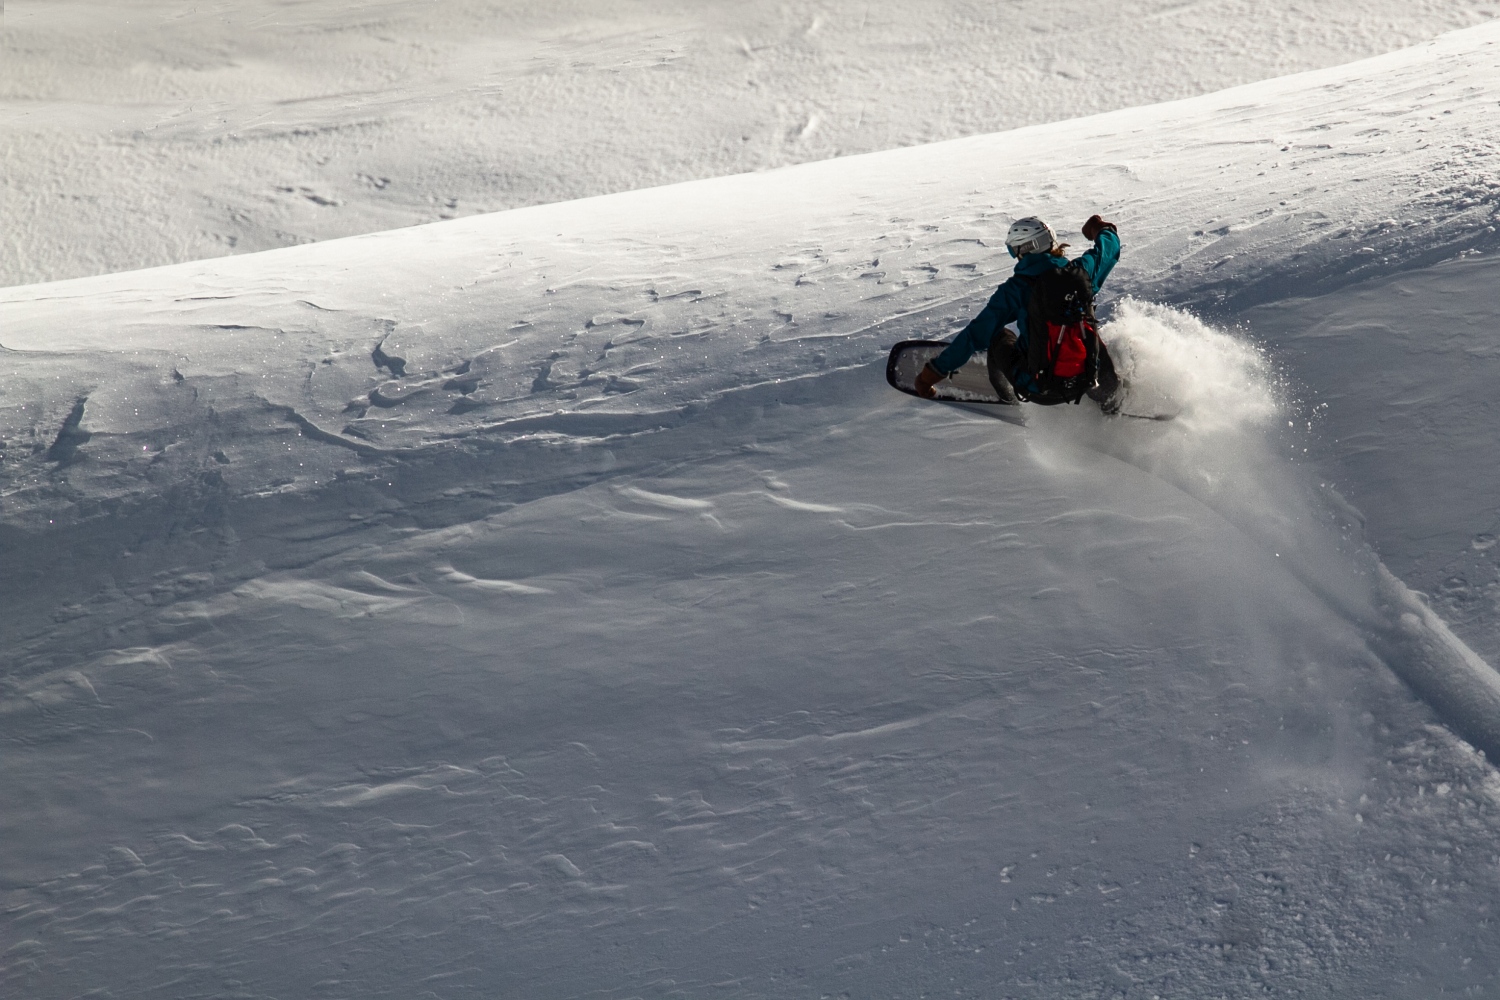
(969, 387)
(970, 384)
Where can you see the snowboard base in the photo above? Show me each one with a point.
(970, 384)
(968, 388)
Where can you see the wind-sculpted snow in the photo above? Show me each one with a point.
(746, 701)
(634, 305)
(152, 132)
(559, 604)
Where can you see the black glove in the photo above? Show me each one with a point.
(926, 379)
(1095, 226)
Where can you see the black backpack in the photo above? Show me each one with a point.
(1062, 343)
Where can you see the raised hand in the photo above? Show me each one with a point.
(1095, 226)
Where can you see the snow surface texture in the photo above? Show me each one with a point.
(558, 602)
(156, 131)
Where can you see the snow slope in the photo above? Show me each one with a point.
(154, 131)
(557, 602)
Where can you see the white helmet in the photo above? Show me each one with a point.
(1029, 235)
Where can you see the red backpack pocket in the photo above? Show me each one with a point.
(1067, 348)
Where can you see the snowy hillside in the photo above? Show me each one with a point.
(142, 132)
(557, 602)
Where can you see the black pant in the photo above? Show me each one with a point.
(1002, 365)
(1109, 381)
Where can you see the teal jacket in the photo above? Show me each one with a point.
(1008, 304)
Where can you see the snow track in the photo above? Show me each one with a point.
(1221, 450)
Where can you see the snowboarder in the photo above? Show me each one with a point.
(1033, 243)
